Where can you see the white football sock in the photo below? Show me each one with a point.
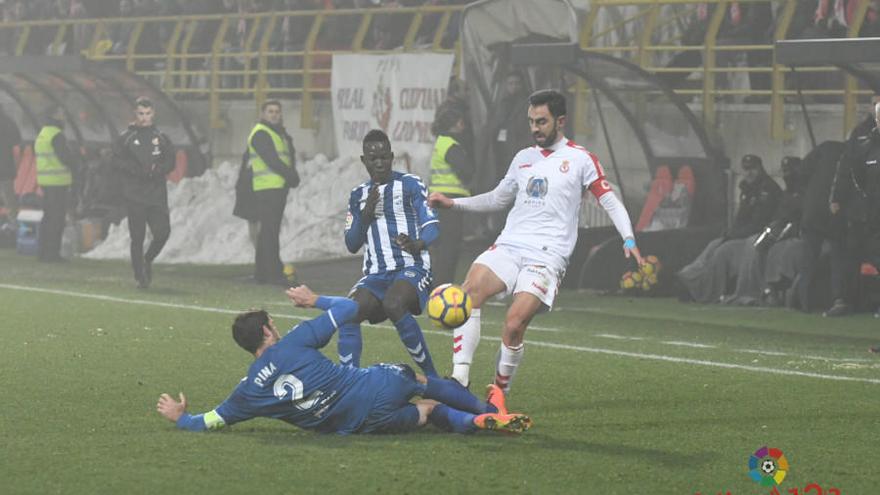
(465, 340)
(508, 360)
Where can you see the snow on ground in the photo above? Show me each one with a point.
(203, 229)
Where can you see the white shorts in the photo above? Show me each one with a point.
(521, 273)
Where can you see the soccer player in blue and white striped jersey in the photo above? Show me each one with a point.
(389, 214)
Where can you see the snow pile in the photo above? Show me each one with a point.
(203, 229)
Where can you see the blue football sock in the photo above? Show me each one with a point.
(350, 345)
(454, 394)
(411, 335)
(450, 419)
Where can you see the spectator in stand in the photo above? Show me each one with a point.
(748, 24)
(290, 35)
(706, 279)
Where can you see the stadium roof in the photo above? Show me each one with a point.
(857, 56)
(97, 98)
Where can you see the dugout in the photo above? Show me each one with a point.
(98, 101)
(650, 143)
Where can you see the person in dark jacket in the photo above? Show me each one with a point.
(145, 156)
(272, 160)
(817, 223)
(10, 136)
(855, 194)
(57, 166)
(707, 278)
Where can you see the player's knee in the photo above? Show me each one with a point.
(514, 329)
(366, 304)
(473, 290)
(425, 407)
(395, 306)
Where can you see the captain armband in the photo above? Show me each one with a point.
(599, 187)
(213, 421)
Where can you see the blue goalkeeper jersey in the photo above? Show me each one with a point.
(294, 382)
(402, 209)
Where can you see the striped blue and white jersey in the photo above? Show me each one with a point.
(402, 209)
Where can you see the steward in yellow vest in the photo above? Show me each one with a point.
(271, 155)
(55, 169)
(451, 170)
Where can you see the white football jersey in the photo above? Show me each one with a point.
(549, 186)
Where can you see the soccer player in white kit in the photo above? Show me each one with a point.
(546, 184)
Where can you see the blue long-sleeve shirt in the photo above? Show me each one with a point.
(402, 209)
(294, 382)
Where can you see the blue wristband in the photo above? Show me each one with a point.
(629, 243)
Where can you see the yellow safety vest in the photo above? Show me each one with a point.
(443, 178)
(50, 170)
(264, 177)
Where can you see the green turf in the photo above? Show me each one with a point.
(620, 403)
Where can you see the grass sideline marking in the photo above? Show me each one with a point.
(551, 345)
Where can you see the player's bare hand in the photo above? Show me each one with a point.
(412, 246)
(439, 200)
(634, 251)
(368, 214)
(171, 409)
(302, 296)
(834, 207)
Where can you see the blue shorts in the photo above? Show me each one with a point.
(379, 283)
(392, 410)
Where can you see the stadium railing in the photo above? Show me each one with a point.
(241, 55)
(648, 32)
(246, 55)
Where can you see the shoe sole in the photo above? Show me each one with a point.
(517, 424)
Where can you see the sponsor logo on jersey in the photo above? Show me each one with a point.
(537, 187)
(564, 167)
(349, 219)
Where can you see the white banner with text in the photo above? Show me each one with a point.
(396, 93)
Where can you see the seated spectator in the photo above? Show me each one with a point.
(706, 279)
(770, 258)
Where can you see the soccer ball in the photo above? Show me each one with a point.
(768, 466)
(449, 306)
(652, 266)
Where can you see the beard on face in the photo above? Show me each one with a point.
(549, 140)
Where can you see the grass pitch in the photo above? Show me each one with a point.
(628, 395)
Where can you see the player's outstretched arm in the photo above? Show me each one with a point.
(175, 411)
(339, 309)
(439, 200)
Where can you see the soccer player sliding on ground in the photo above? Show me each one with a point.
(546, 184)
(291, 380)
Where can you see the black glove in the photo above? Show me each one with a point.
(411, 246)
(368, 214)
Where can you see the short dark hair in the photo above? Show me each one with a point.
(554, 100)
(247, 330)
(377, 136)
(269, 103)
(447, 116)
(143, 101)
